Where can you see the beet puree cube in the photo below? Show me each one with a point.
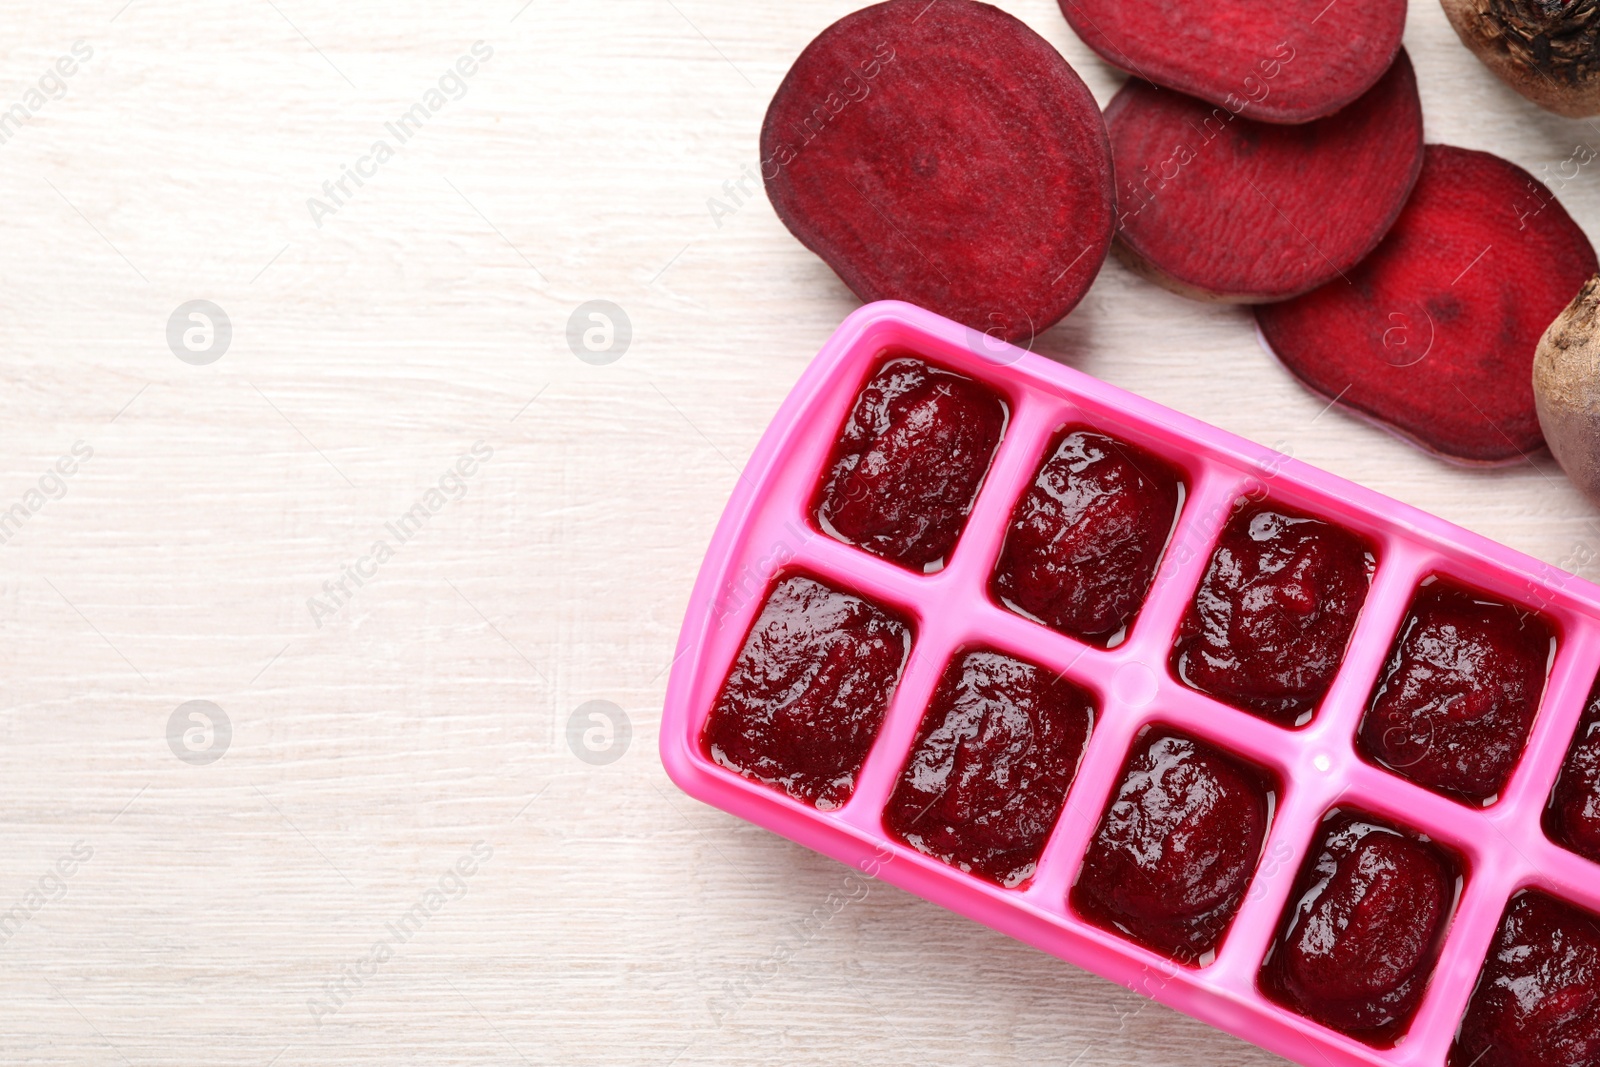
(909, 462)
(808, 691)
(1573, 818)
(989, 772)
(1085, 538)
(1176, 847)
(1538, 999)
(1455, 702)
(1268, 626)
(1363, 929)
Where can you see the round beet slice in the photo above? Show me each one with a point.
(1219, 207)
(1265, 59)
(1432, 336)
(944, 154)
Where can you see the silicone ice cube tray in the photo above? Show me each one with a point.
(767, 530)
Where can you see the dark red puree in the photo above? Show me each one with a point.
(1538, 1000)
(1458, 695)
(909, 462)
(1176, 848)
(1274, 612)
(991, 765)
(1364, 927)
(1085, 538)
(1573, 819)
(808, 691)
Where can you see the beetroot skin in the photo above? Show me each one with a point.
(1267, 60)
(944, 154)
(1433, 335)
(1220, 207)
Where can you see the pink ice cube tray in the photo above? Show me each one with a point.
(768, 530)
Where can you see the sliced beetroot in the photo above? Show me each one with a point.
(1433, 334)
(1221, 207)
(944, 154)
(1269, 60)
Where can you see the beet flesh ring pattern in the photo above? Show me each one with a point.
(944, 155)
(1266, 59)
(1220, 207)
(1433, 334)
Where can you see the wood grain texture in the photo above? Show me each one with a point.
(616, 921)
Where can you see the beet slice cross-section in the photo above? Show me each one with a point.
(944, 154)
(1433, 334)
(1271, 60)
(1220, 207)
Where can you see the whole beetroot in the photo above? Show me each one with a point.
(1566, 388)
(1547, 50)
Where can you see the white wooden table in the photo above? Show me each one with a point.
(313, 896)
